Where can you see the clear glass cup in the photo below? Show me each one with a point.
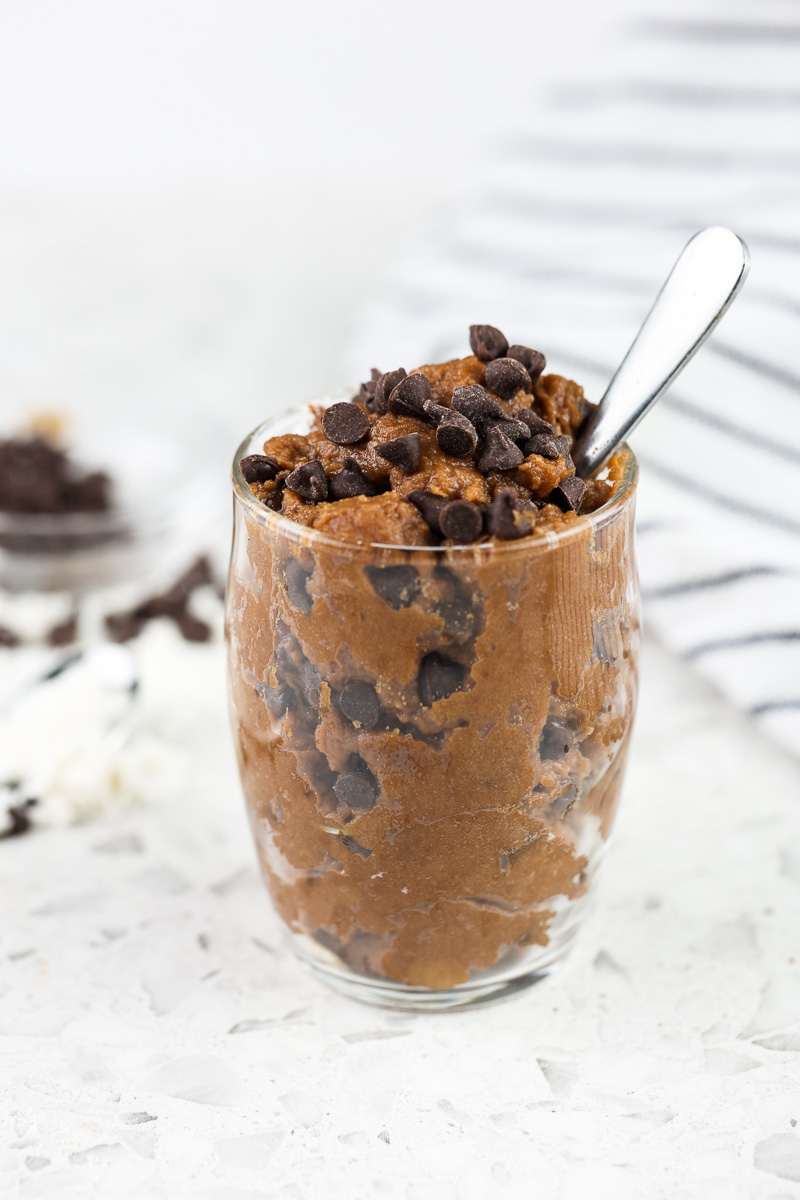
(430, 835)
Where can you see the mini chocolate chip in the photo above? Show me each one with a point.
(499, 453)
(350, 481)
(430, 506)
(535, 423)
(516, 430)
(569, 493)
(8, 638)
(475, 403)
(408, 397)
(543, 445)
(360, 704)
(555, 741)
(403, 451)
(345, 423)
(505, 377)
(355, 790)
(533, 361)
(456, 436)
(278, 699)
(258, 468)
(487, 342)
(500, 521)
(384, 388)
(396, 586)
(309, 480)
(296, 579)
(461, 521)
(192, 628)
(354, 847)
(435, 412)
(438, 678)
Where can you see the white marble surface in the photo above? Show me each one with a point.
(156, 1040)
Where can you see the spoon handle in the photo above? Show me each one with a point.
(701, 286)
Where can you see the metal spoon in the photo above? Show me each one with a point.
(700, 288)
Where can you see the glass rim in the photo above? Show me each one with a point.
(307, 536)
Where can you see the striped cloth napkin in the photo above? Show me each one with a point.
(562, 235)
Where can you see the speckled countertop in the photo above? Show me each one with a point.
(157, 1040)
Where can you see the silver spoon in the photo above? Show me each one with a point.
(700, 288)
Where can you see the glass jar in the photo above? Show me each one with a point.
(431, 741)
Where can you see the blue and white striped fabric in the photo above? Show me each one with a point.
(562, 236)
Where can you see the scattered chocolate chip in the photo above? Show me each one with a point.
(360, 704)
(430, 506)
(296, 579)
(461, 521)
(456, 435)
(384, 388)
(64, 633)
(499, 453)
(438, 678)
(124, 626)
(535, 423)
(402, 451)
(435, 412)
(487, 342)
(19, 816)
(345, 423)
(409, 396)
(275, 500)
(555, 741)
(543, 445)
(38, 477)
(8, 638)
(350, 481)
(354, 847)
(500, 521)
(475, 403)
(569, 493)
(192, 628)
(258, 468)
(397, 586)
(355, 790)
(533, 361)
(309, 479)
(516, 430)
(279, 699)
(175, 598)
(505, 377)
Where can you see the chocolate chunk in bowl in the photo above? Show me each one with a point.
(442, 790)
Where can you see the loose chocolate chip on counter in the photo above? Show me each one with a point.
(296, 579)
(309, 479)
(192, 628)
(396, 586)
(456, 435)
(555, 741)
(535, 423)
(569, 493)
(430, 507)
(505, 377)
(408, 397)
(19, 818)
(360, 704)
(64, 633)
(384, 387)
(258, 468)
(500, 522)
(475, 403)
(516, 430)
(487, 342)
(8, 639)
(533, 361)
(124, 626)
(354, 847)
(435, 412)
(355, 790)
(543, 445)
(345, 423)
(438, 678)
(402, 451)
(461, 521)
(350, 481)
(499, 453)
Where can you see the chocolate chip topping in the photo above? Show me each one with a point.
(487, 342)
(533, 361)
(542, 445)
(384, 387)
(350, 481)
(568, 494)
(476, 404)
(359, 702)
(456, 435)
(499, 452)
(397, 586)
(403, 451)
(438, 678)
(564, 444)
(258, 468)
(535, 423)
(435, 412)
(500, 522)
(345, 424)
(430, 506)
(505, 377)
(555, 741)
(516, 430)
(461, 521)
(409, 396)
(309, 479)
(355, 790)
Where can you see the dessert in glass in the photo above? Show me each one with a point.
(433, 634)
